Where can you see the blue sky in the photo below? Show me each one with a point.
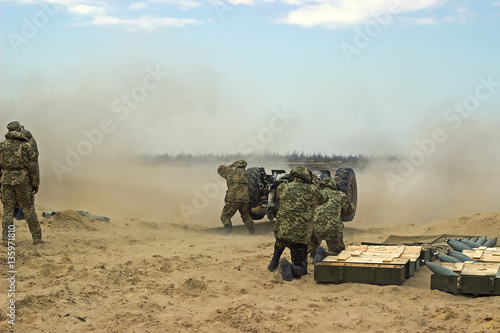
(354, 77)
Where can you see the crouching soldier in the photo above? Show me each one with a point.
(293, 225)
(327, 224)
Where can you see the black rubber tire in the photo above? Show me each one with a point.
(253, 186)
(346, 180)
(256, 217)
(253, 190)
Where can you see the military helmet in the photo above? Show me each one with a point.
(239, 164)
(14, 126)
(329, 183)
(301, 173)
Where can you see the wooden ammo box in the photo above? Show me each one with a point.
(484, 254)
(475, 278)
(413, 253)
(369, 264)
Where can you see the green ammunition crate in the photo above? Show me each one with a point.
(339, 272)
(466, 284)
(475, 278)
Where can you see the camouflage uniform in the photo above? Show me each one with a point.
(327, 224)
(293, 225)
(237, 194)
(18, 212)
(31, 141)
(314, 178)
(20, 177)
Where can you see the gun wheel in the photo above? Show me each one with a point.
(346, 180)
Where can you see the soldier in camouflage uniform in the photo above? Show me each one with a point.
(236, 196)
(18, 212)
(293, 225)
(327, 224)
(20, 180)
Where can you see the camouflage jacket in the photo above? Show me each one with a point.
(17, 161)
(297, 199)
(326, 218)
(237, 181)
(31, 141)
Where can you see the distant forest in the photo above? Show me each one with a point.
(294, 157)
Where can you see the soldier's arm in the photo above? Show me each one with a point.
(34, 146)
(222, 171)
(347, 206)
(33, 168)
(280, 189)
(320, 197)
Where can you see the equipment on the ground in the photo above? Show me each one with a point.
(262, 189)
(84, 213)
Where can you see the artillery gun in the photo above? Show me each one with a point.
(262, 189)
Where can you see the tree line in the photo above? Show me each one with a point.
(290, 157)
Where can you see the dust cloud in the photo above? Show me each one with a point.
(87, 132)
(459, 177)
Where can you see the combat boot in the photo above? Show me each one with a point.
(297, 271)
(320, 255)
(229, 228)
(286, 270)
(38, 241)
(334, 248)
(275, 261)
(20, 215)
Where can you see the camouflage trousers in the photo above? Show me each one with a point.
(24, 195)
(230, 208)
(333, 235)
(298, 252)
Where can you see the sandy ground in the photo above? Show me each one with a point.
(166, 273)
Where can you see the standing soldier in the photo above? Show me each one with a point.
(327, 224)
(237, 195)
(18, 212)
(20, 180)
(293, 225)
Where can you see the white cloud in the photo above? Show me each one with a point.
(241, 2)
(463, 14)
(182, 4)
(138, 5)
(348, 12)
(86, 10)
(142, 23)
